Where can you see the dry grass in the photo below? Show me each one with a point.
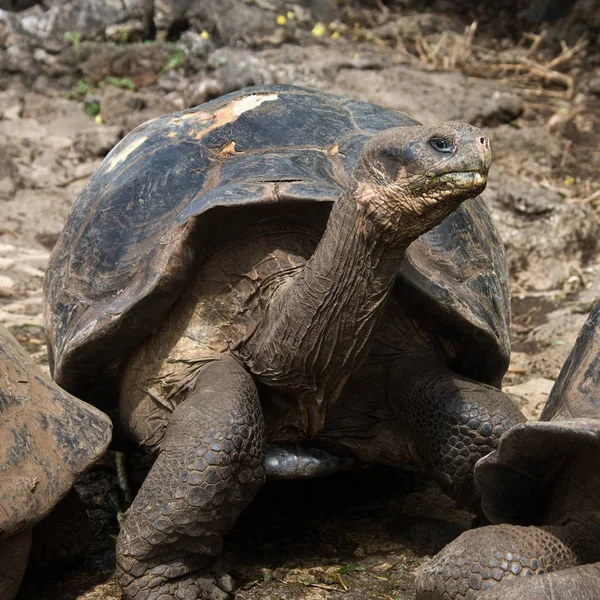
(518, 65)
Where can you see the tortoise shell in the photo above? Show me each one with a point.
(576, 393)
(131, 238)
(516, 482)
(47, 438)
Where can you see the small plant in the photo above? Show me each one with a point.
(121, 82)
(73, 37)
(123, 35)
(350, 569)
(175, 60)
(80, 90)
(92, 108)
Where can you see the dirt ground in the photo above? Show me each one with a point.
(535, 88)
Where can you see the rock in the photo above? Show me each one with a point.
(531, 396)
(233, 21)
(10, 179)
(521, 198)
(173, 82)
(97, 141)
(548, 345)
(11, 105)
(6, 287)
(16, 5)
(501, 107)
(88, 18)
(116, 102)
(47, 239)
(236, 22)
(129, 109)
(169, 12)
(7, 186)
(193, 44)
(202, 91)
(537, 226)
(241, 70)
(540, 150)
(19, 59)
(129, 31)
(140, 64)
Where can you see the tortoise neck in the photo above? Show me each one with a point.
(355, 219)
(319, 325)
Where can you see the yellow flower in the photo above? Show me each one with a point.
(290, 14)
(335, 35)
(204, 34)
(99, 119)
(319, 30)
(281, 20)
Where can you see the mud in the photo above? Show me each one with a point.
(65, 101)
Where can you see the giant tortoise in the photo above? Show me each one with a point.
(253, 271)
(543, 486)
(47, 439)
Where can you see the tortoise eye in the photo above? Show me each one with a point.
(440, 144)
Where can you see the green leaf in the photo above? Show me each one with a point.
(350, 569)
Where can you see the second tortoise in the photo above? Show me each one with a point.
(541, 489)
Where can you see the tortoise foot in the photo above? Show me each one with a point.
(481, 559)
(163, 583)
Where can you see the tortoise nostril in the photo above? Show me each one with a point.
(482, 141)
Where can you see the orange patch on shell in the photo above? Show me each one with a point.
(202, 123)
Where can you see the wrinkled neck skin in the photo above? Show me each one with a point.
(319, 325)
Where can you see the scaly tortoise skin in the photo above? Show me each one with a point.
(47, 439)
(252, 272)
(542, 490)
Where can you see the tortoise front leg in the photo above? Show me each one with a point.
(494, 556)
(209, 467)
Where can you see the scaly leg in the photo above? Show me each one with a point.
(412, 408)
(209, 468)
(576, 583)
(451, 421)
(490, 558)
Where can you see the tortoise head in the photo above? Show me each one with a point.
(410, 178)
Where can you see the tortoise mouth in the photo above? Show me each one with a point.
(465, 179)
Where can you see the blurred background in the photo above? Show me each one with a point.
(77, 75)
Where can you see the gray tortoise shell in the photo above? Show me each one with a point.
(125, 252)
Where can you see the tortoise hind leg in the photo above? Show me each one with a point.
(14, 552)
(209, 467)
(490, 558)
